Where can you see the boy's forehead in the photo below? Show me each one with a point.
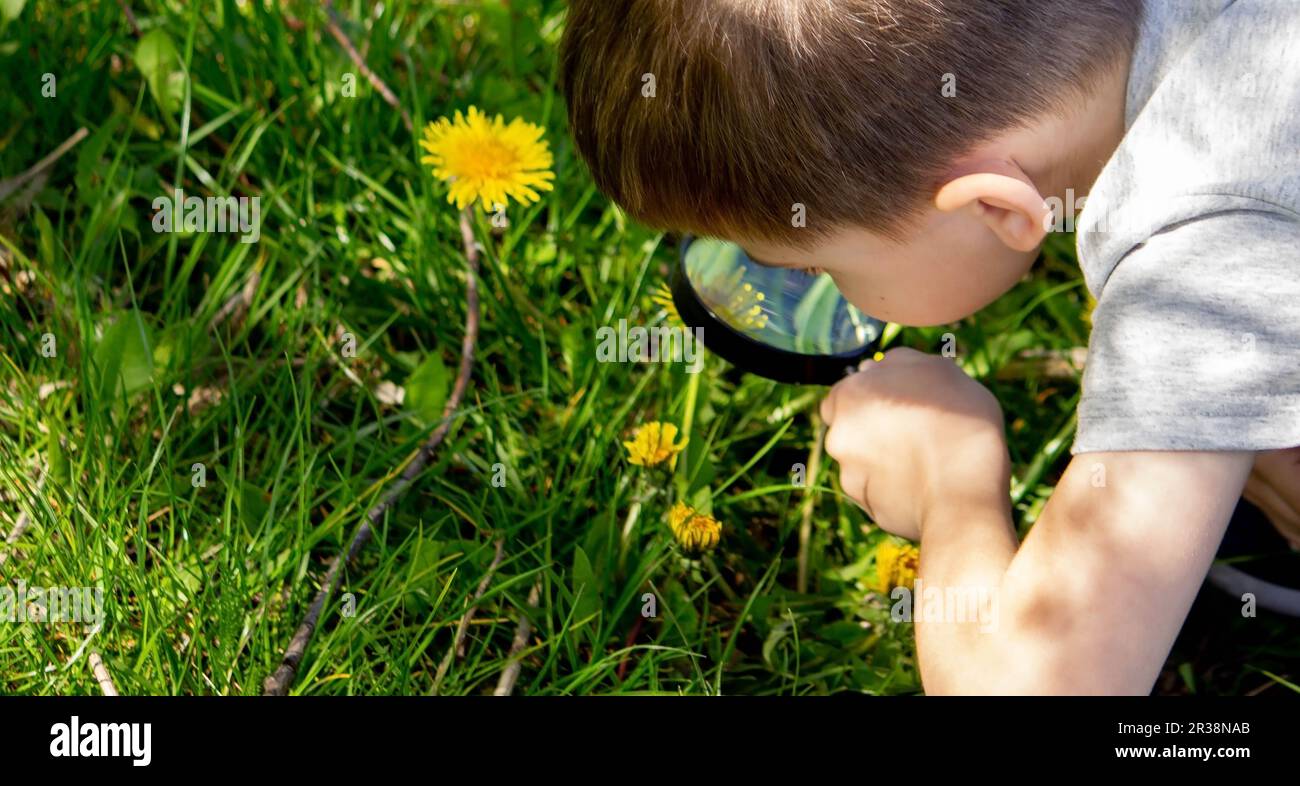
(774, 254)
(762, 258)
(790, 255)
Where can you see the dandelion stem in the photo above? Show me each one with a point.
(633, 513)
(722, 583)
(688, 418)
(639, 496)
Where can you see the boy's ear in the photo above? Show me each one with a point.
(1000, 194)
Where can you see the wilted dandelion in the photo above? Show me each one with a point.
(694, 530)
(895, 566)
(652, 444)
(488, 160)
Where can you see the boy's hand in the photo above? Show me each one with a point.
(1274, 487)
(913, 434)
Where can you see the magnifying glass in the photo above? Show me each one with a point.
(784, 324)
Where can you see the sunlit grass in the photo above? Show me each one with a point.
(197, 356)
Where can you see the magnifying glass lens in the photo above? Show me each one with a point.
(788, 324)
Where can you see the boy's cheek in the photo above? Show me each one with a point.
(927, 294)
(921, 305)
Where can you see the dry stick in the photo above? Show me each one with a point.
(130, 17)
(331, 23)
(1063, 365)
(457, 647)
(239, 302)
(12, 184)
(278, 683)
(102, 676)
(478, 595)
(506, 685)
(20, 526)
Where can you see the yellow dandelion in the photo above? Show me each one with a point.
(694, 530)
(743, 306)
(746, 307)
(662, 296)
(488, 160)
(895, 566)
(653, 444)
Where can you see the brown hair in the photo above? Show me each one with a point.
(754, 106)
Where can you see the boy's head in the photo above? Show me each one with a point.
(901, 145)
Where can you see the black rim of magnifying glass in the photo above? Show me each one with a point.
(740, 350)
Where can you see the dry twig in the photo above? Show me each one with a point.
(506, 684)
(102, 676)
(130, 17)
(457, 647)
(1062, 365)
(278, 683)
(332, 24)
(20, 525)
(10, 185)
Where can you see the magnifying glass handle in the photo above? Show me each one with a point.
(876, 358)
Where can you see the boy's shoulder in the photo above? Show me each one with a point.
(1212, 123)
(1189, 238)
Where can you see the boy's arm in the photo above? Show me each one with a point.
(1093, 599)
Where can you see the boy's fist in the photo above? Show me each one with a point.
(912, 434)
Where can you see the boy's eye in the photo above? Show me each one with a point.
(814, 271)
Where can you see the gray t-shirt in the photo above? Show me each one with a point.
(1190, 238)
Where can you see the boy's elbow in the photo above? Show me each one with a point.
(1025, 657)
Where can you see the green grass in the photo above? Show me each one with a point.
(205, 585)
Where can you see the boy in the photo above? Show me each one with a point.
(924, 139)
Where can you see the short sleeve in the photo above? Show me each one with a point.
(1196, 339)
